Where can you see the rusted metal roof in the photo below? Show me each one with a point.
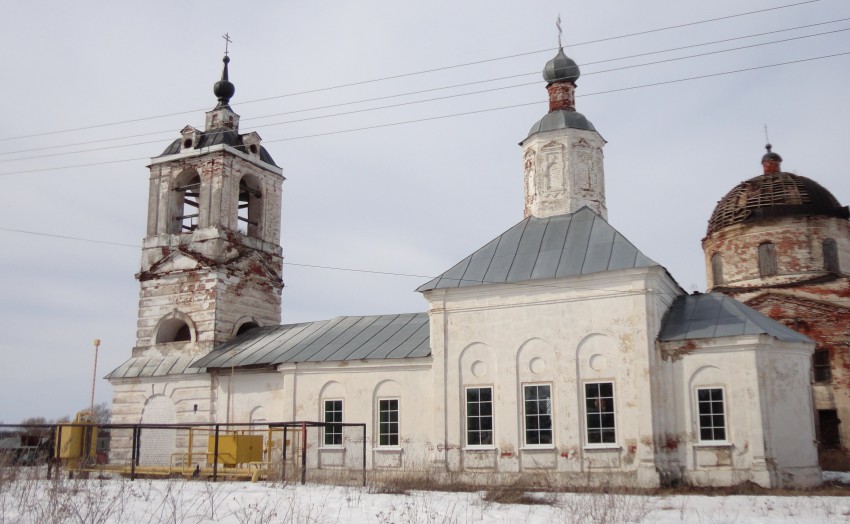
(710, 315)
(156, 366)
(378, 337)
(774, 195)
(579, 243)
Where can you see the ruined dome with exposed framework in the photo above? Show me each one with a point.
(774, 194)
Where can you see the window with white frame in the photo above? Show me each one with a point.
(712, 414)
(537, 400)
(599, 410)
(479, 416)
(388, 422)
(333, 417)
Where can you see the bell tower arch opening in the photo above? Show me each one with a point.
(185, 202)
(249, 212)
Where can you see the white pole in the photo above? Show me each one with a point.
(94, 378)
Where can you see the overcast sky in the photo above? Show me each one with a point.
(411, 198)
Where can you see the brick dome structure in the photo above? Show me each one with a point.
(774, 194)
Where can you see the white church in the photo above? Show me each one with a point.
(556, 349)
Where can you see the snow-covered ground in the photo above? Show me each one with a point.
(177, 501)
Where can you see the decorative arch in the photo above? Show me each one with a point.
(477, 364)
(257, 417)
(175, 327)
(157, 445)
(707, 375)
(595, 356)
(185, 202)
(243, 325)
(535, 360)
(249, 209)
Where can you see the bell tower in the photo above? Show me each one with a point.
(562, 154)
(211, 259)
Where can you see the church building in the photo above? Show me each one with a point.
(779, 242)
(558, 350)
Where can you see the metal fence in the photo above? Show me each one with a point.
(287, 451)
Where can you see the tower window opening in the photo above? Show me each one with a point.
(717, 269)
(767, 259)
(189, 204)
(250, 207)
(173, 330)
(246, 327)
(830, 256)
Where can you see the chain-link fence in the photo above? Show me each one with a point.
(287, 451)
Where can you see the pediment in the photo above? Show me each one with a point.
(766, 301)
(256, 264)
(174, 261)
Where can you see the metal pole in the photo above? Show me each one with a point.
(134, 454)
(94, 377)
(303, 453)
(364, 454)
(283, 462)
(215, 455)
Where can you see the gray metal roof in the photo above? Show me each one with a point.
(157, 366)
(710, 315)
(215, 137)
(561, 119)
(342, 338)
(579, 243)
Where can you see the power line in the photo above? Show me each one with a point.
(415, 73)
(440, 117)
(446, 97)
(339, 268)
(453, 86)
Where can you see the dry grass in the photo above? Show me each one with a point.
(834, 460)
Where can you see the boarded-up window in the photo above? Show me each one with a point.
(767, 259)
(717, 269)
(820, 364)
(830, 256)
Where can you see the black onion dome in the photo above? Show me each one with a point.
(224, 89)
(774, 195)
(770, 156)
(561, 69)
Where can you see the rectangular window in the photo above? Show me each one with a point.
(333, 416)
(388, 422)
(538, 414)
(820, 364)
(479, 417)
(767, 259)
(830, 256)
(599, 408)
(712, 414)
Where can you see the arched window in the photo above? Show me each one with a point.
(767, 259)
(830, 256)
(173, 330)
(250, 209)
(246, 327)
(716, 269)
(185, 207)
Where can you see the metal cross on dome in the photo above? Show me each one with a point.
(560, 31)
(227, 42)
